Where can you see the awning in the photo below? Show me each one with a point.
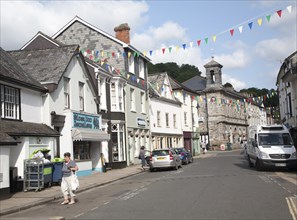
(80, 134)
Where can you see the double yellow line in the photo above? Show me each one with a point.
(292, 203)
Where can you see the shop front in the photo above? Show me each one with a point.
(86, 140)
(188, 140)
(160, 141)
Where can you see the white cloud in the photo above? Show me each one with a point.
(21, 20)
(237, 84)
(156, 37)
(237, 59)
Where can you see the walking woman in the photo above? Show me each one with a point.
(66, 185)
(142, 157)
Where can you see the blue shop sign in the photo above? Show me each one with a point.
(86, 121)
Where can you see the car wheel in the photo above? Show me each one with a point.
(176, 166)
(258, 165)
(250, 162)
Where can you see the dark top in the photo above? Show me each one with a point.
(66, 168)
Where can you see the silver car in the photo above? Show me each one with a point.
(164, 158)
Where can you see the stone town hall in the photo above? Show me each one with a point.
(223, 113)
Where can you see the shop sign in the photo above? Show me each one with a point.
(86, 121)
(141, 122)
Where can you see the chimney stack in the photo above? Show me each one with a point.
(122, 32)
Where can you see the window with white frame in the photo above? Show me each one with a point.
(167, 119)
(81, 96)
(131, 63)
(174, 120)
(117, 93)
(9, 102)
(158, 118)
(66, 92)
(186, 118)
(120, 96)
(113, 100)
(142, 97)
(132, 99)
(81, 150)
(102, 93)
(141, 68)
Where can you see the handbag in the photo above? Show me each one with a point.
(74, 182)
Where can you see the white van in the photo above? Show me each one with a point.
(270, 146)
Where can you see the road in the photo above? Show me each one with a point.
(218, 186)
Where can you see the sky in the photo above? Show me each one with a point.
(251, 58)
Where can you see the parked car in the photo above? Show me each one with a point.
(184, 155)
(165, 158)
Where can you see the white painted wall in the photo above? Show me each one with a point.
(4, 165)
(31, 105)
(165, 107)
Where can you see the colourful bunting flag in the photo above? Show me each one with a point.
(214, 38)
(129, 54)
(170, 48)
(151, 52)
(251, 25)
(279, 12)
(268, 17)
(198, 42)
(184, 46)
(191, 44)
(206, 40)
(163, 50)
(232, 32)
(260, 21)
(177, 48)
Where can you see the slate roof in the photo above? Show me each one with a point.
(45, 65)
(196, 83)
(41, 41)
(157, 81)
(11, 71)
(5, 139)
(18, 128)
(175, 85)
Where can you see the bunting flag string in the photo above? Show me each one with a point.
(94, 55)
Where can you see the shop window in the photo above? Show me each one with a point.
(117, 137)
(82, 150)
(9, 102)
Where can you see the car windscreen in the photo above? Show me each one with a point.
(179, 150)
(157, 153)
(275, 139)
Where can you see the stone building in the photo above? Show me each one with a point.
(223, 112)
